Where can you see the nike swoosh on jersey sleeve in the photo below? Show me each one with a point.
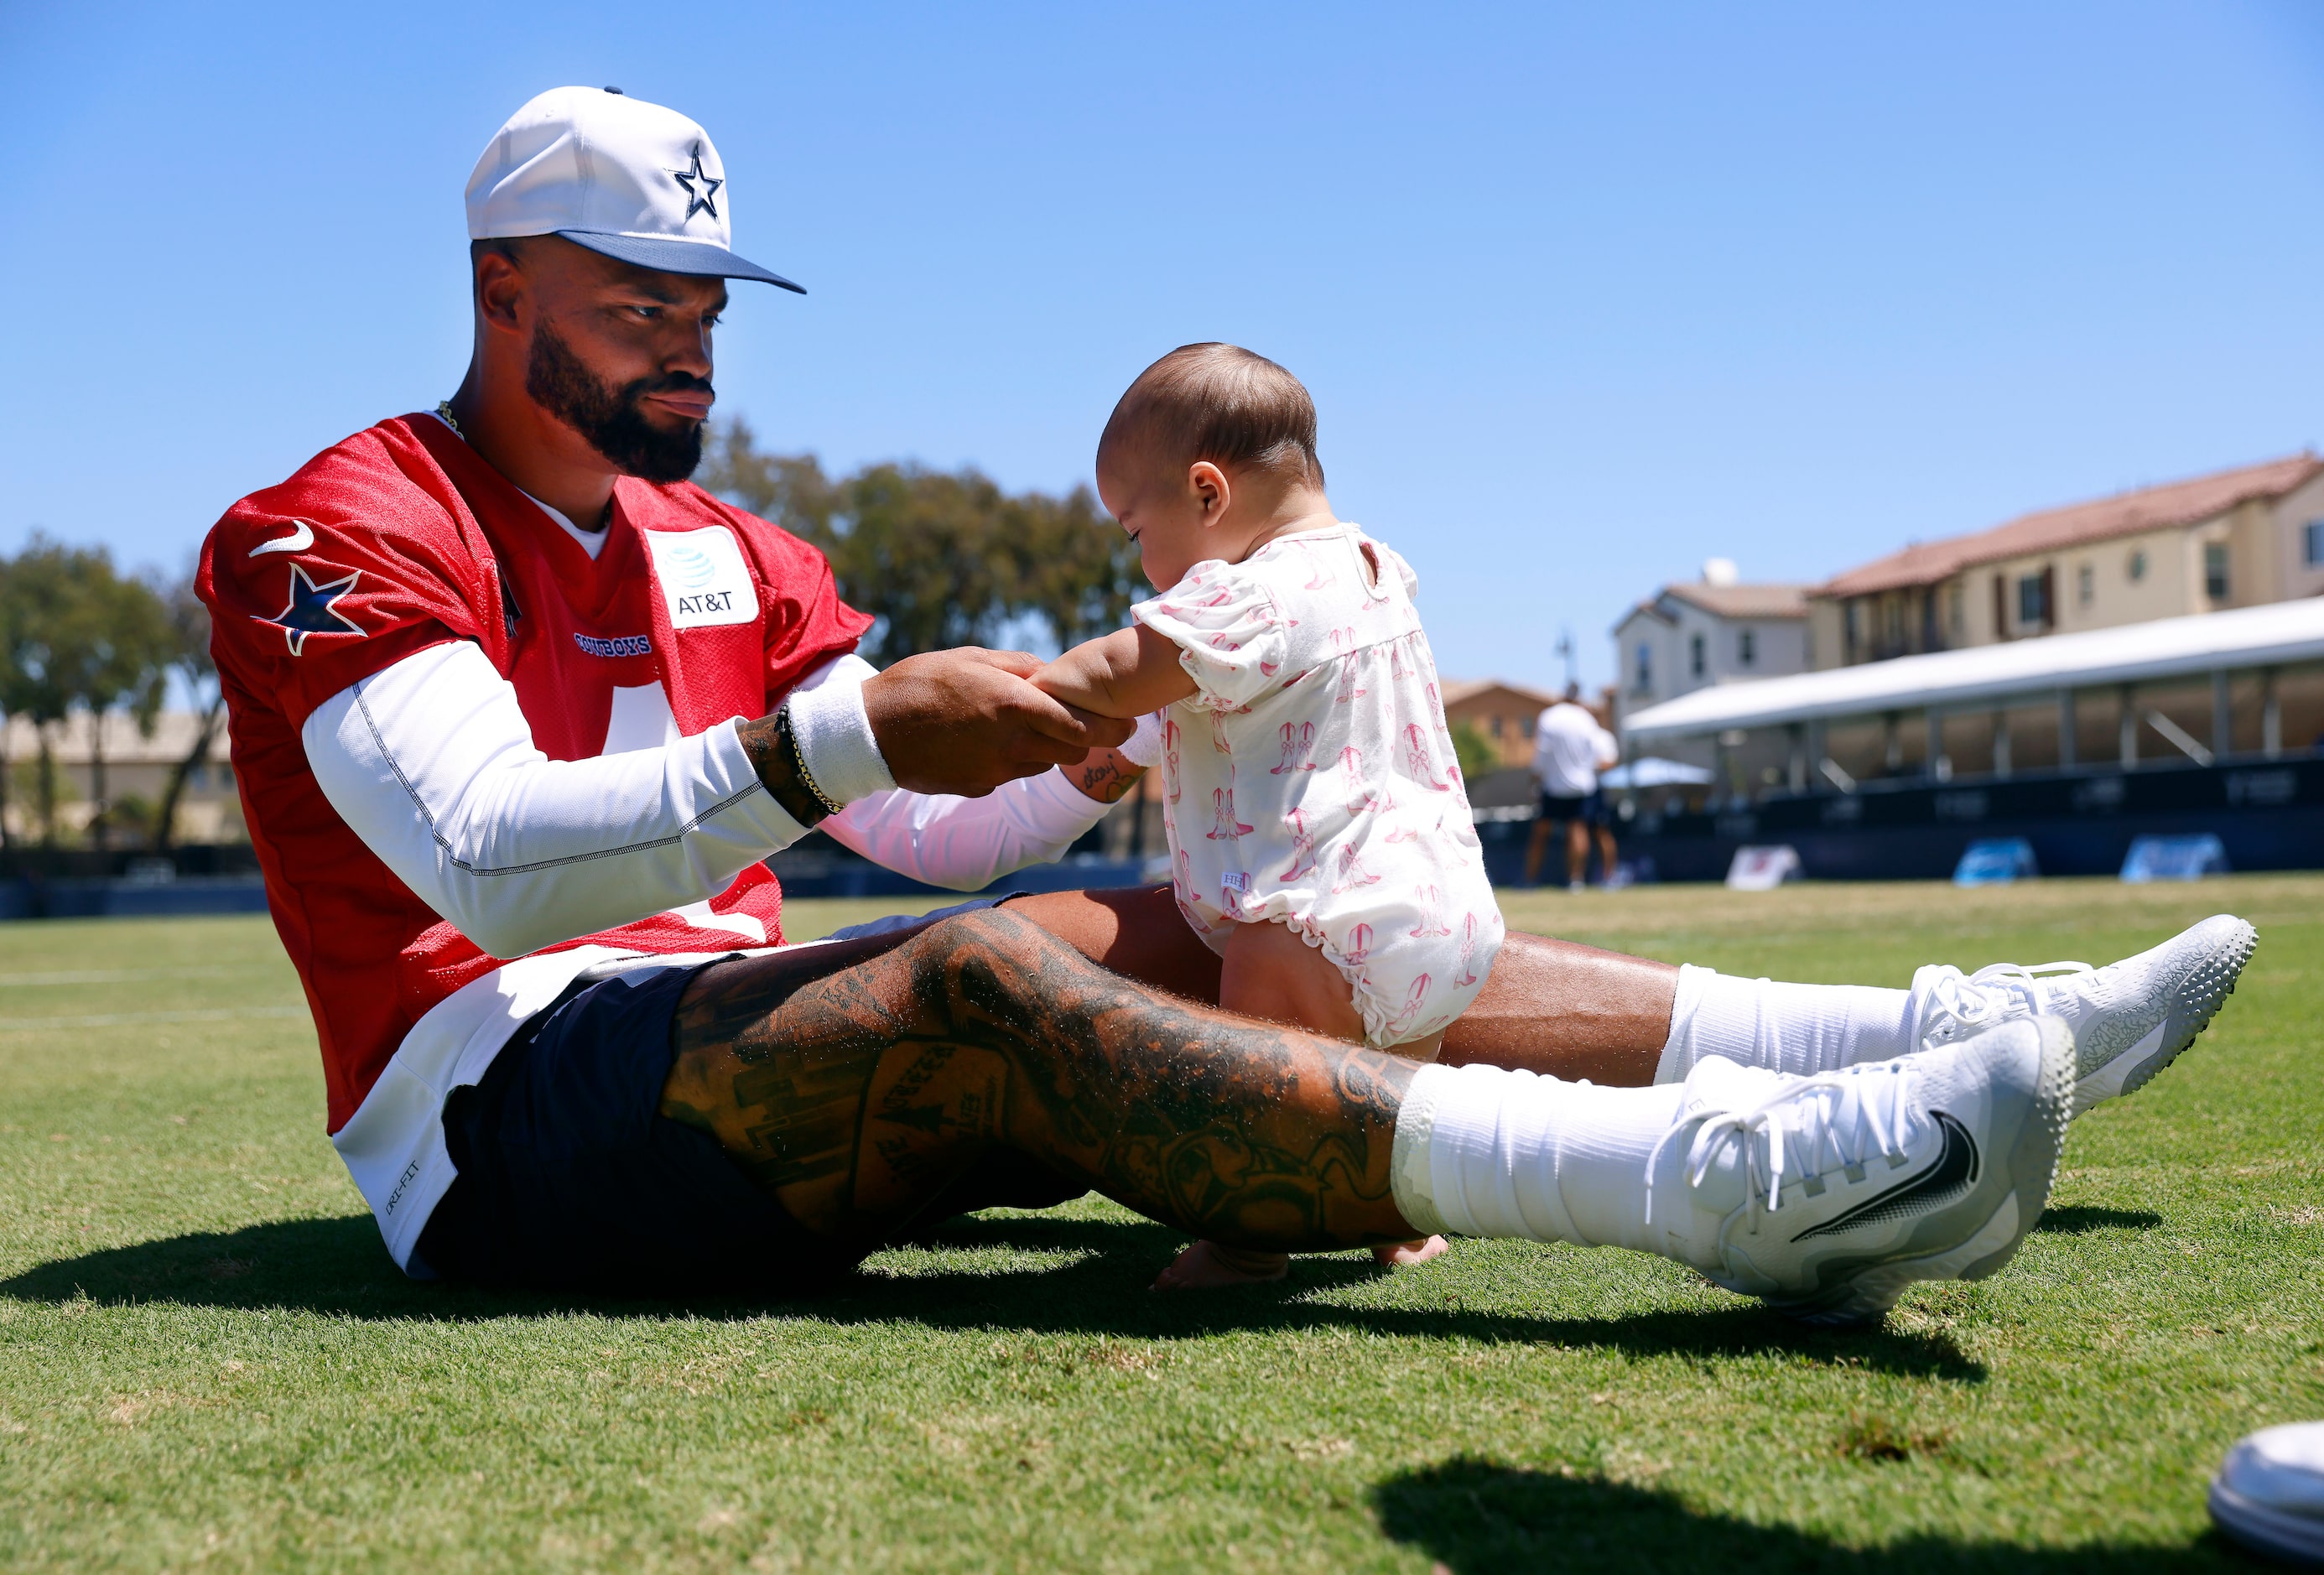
(299, 540)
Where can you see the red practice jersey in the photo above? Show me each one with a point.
(402, 537)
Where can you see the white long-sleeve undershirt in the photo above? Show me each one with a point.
(431, 762)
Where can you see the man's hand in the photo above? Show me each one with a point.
(966, 720)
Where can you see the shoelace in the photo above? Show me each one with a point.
(1882, 1115)
(1968, 999)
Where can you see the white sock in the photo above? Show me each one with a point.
(1485, 1151)
(1799, 1028)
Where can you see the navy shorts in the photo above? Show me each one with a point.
(571, 1178)
(1588, 809)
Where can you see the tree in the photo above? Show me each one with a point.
(189, 654)
(75, 635)
(1478, 755)
(940, 559)
(1075, 566)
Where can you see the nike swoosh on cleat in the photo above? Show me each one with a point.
(299, 540)
(2107, 1079)
(1953, 1173)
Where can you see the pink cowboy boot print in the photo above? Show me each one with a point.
(1343, 640)
(1303, 846)
(1224, 826)
(1352, 873)
(1401, 1024)
(1419, 762)
(1467, 975)
(1432, 915)
(1437, 712)
(1298, 748)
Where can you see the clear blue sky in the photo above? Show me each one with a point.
(1585, 294)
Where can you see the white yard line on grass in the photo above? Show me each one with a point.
(42, 1025)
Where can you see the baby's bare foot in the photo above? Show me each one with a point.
(1208, 1265)
(1408, 1251)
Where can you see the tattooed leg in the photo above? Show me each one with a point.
(859, 1095)
(1551, 1006)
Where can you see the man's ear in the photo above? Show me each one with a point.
(1211, 489)
(501, 288)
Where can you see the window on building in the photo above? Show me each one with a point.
(2085, 585)
(2033, 601)
(2215, 570)
(1956, 612)
(2311, 544)
(1646, 671)
(1526, 726)
(1493, 726)
(1746, 646)
(1694, 648)
(2138, 566)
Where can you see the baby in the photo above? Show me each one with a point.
(1320, 839)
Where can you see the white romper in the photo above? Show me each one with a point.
(1310, 779)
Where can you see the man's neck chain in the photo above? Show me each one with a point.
(444, 414)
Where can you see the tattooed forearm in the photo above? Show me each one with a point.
(775, 756)
(861, 1094)
(1106, 777)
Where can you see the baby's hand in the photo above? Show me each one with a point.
(1056, 680)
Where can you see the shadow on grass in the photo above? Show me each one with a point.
(2082, 1218)
(335, 1267)
(1473, 1517)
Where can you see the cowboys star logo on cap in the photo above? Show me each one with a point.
(624, 178)
(309, 610)
(709, 187)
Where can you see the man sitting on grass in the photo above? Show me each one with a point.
(517, 711)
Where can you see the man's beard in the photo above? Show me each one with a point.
(613, 420)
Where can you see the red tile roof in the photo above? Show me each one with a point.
(1767, 601)
(2181, 502)
(1454, 691)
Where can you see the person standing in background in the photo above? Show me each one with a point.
(1601, 824)
(1570, 748)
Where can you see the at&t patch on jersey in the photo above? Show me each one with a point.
(702, 578)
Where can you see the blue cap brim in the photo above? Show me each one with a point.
(676, 257)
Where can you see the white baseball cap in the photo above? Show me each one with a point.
(619, 176)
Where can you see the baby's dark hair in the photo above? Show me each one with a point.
(1217, 402)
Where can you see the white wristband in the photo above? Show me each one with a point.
(1143, 749)
(835, 740)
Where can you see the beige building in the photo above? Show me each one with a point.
(1713, 631)
(1504, 714)
(2236, 538)
(136, 774)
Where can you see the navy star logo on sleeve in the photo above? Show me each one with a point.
(311, 610)
(695, 201)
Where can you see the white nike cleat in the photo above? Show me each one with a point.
(1827, 1195)
(2130, 1018)
(2269, 1494)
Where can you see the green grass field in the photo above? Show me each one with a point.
(206, 1358)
